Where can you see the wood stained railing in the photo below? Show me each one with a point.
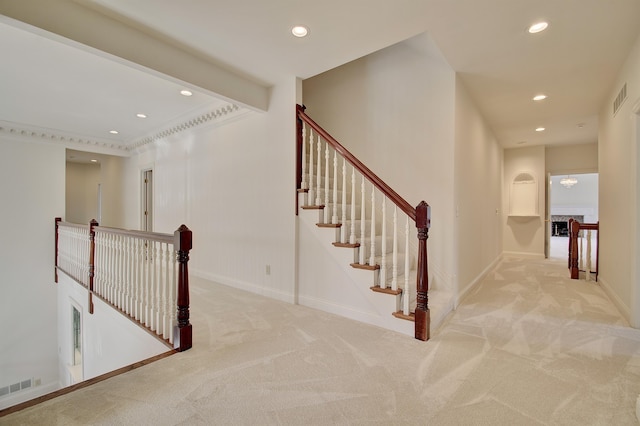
(580, 260)
(332, 177)
(144, 275)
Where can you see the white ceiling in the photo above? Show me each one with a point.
(49, 82)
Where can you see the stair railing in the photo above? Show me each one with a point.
(331, 178)
(144, 275)
(580, 235)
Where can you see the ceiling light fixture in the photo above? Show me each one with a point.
(186, 93)
(568, 182)
(299, 31)
(540, 129)
(539, 97)
(140, 115)
(94, 160)
(113, 132)
(538, 27)
(521, 142)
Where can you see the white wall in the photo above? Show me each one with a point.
(32, 194)
(618, 155)
(82, 192)
(478, 194)
(565, 159)
(109, 339)
(524, 235)
(233, 185)
(394, 110)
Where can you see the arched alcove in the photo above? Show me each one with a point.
(523, 199)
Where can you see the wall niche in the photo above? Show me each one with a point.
(523, 200)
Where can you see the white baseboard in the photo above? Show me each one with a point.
(465, 292)
(624, 309)
(523, 254)
(246, 286)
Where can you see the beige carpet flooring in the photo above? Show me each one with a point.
(527, 347)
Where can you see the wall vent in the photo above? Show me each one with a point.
(16, 387)
(622, 95)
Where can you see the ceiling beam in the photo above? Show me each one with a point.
(136, 46)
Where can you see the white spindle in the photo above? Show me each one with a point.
(319, 173)
(352, 235)
(394, 267)
(327, 182)
(407, 289)
(372, 246)
(588, 268)
(334, 218)
(343, 229)
(581, 257)
(363, 227)
(382, 280)
(311, 193)
(303, 184)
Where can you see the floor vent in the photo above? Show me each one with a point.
(622, 95)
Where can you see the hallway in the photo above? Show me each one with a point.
(527, 347)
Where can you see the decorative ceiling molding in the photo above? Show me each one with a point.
(57, 136)
(217, 116)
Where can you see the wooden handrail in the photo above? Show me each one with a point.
(364, 170)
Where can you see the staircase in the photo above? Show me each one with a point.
(366, 227)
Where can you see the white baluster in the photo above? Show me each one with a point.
(303, 184)
(382, 281)
(588, 268)
(407, 289)
(343, 229)
(372, 247)
(327, 181)
(311, 193)
(363, 230)
(394, 270)
(581, 265)
(159, 294)
(352, 236)
(334, 218)
(319, 173)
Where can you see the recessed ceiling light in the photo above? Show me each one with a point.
(185, 93)
(113, 132)
(94, 160)
(300, 31)
(539, 97)
(538, 27)
(581, 125)
(540, 129)
(140, 115)
(521, 142)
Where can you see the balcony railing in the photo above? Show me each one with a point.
(144, 275)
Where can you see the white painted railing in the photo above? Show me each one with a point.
(142, 274)
(367, 214)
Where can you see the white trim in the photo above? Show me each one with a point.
(481, 276)
(246, 286)
(523, 254)
(624, 309)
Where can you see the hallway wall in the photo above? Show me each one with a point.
(619, 162)
(32, 195)
(233, 185)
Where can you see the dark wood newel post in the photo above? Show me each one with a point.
(299, 142)
(422, 315)
(183, 243)
(573, 252)
(55, 258)
(92, 260)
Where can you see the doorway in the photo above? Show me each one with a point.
(570, 196)
(147, 200)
